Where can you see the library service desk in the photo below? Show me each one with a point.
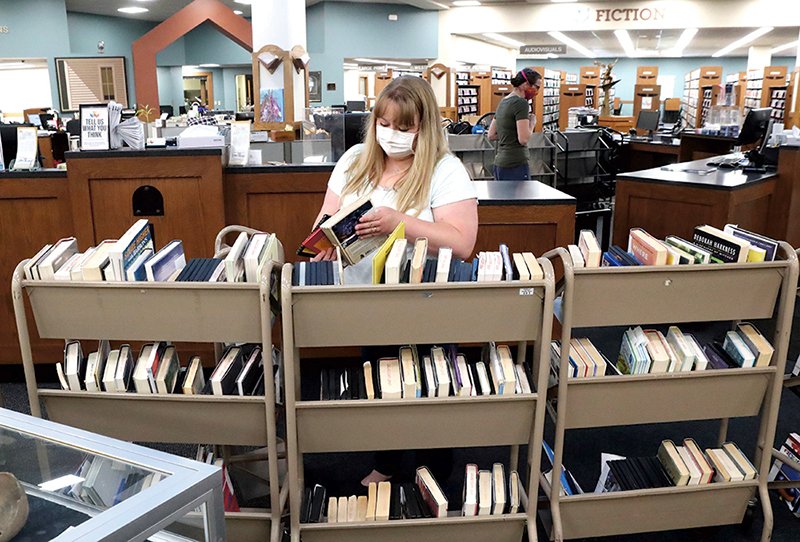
(673, 199)
(189, 194)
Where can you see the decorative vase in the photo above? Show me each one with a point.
(13, 507)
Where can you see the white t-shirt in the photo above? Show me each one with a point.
(450, 183)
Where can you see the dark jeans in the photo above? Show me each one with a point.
(516, 173)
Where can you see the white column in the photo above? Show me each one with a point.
(797, 53)
(758, 57)
(281, 23)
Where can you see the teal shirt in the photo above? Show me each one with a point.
(510, 153)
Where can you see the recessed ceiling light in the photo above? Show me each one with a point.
(237, 12)
(504, 39)
(466, 3)
(563, 38)
(681, 44)
(745, 40)
(625, 40)
(133, 10)
(209, 65)
(785, 46)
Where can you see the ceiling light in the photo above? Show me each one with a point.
(627, 43)
(237, 12)
(374, 61)
(683, 41)
(785, 46)
(741, 42)
(466, 3)
(572, 43)
(209, 65)
(504, 39)
(133, 10)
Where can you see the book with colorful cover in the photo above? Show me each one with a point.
(316, 241)
(379, 260)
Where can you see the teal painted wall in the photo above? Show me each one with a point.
(207, 45)
(348, 30)
(625, 70)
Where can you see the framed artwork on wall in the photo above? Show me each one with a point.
(315, 86)
(91, 80)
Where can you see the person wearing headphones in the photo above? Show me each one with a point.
(512, 126)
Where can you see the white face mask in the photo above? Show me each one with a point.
(395, 144)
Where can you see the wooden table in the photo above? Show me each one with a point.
(672, 200)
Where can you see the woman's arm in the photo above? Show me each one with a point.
(455, 225)
(524, 130)
(493, 131)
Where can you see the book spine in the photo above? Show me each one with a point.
(720, 249)
(142, 241)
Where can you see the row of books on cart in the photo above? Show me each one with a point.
(485, 492)
(133, 257)
(708, 245)
(157, 369)
(648, 351)
(788, 471)
(673, 465)
(444, 373)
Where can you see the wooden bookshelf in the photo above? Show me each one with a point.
(483, 80)
(467, 95)
(573, 95)
(692, 103)
(546, 103)
(759, 85)
(646, 75)
(501, 86)
(647, 98)
(590, 75)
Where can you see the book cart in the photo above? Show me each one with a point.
(329, 316)
(618, 296)
(176, 311)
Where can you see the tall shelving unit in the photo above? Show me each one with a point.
(176, 311)
(546, 103)
(759, 85)
(693, 91)
(467, 95)
(670, 295)
(739, 82)
(483, 80)
(573, 95)
(329, 316)
(501, 86)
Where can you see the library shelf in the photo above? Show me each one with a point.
(658, 509)
(176, 311)
(499, 528)
(624, 296)
(428, 313)
(436, 422)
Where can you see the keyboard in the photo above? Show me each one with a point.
(729, 162)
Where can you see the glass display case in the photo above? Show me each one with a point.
(84, 487)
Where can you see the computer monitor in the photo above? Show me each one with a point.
(648, 120)
(168, 109)
(354, 128)
(356, 105)
(755, 127)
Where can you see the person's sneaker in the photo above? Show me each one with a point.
(376, 477)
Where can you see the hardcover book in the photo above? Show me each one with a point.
(341, 231)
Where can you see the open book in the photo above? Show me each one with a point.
(340, 229)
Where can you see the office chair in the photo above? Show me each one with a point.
(74, 127)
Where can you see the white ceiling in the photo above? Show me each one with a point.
(604, 43)
(706, 42)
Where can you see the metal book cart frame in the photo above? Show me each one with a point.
(177, 311)
(789, 382)
(595, 297)
(329, 316)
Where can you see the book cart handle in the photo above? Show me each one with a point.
(221, 248)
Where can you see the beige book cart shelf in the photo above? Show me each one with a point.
(328, 316)
(176, 311)
(621, 296)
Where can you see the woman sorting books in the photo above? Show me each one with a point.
(512, 127)
(406, 166)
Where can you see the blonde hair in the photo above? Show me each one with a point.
(414, 99)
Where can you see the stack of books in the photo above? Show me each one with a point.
(708, 245)
(132, 257)
(102, 482)
(685, 465)
(585, 360)
(788, 472)
(443, 373)
(648, 351)
(157, 370)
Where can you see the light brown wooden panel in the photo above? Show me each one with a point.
(785, 212)
(101, 190)
(750, 208)
(535, 228)
(33, 212)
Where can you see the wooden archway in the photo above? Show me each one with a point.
(184, 21)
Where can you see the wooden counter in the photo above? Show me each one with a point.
(639, 155)
(672, 200)
(93, 201)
